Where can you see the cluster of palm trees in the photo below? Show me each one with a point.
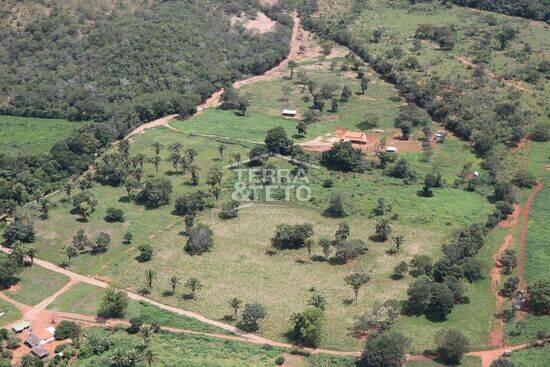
(19, 252)
(192, 284)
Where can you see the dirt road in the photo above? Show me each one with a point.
(523, 237)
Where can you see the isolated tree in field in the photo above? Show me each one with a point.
(102, 242)
(338, 207)
(309, 244)
(216, 191)
(237, 157)
(195, 170)
(277, 141)
(318, 300)
(114, 303)
(235, 304)
(344, 157)
(155, 192)
(200, 239)
(84, 203)
(44, 208)
(342, 233)
(150, 276)
(145, 252)
(156, 162)
(346, 94)
(221, 150)
(174, 281)
(326, 246)
(406, 130)
(383, 229)
(384, 350)
(128, 236)
(157, 147)
(451, 345)
(539, 296)
(243, 106)
(191, 154)
(318, 103)
(215, 176)
(292, 65)
(308, 326)
(400, 270)
(289, 236)
(506, 34)
(174, 159)
(334, 105)
(399, 241)
(175, 148)
(193, 284)
(70, 252)
(364, 85)
(252, 313)
(356, 281)
(149, 356)
(81, 241)
(31, 253)
(301, 127)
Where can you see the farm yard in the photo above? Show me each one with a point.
(418, 133)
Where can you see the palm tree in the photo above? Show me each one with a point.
(235, 304)
(31, 253)
(216, 191)
(195, 174)
(193, 284)
(68, 189)
(174, 281)
(237, 157)
(150, 275)
(156, 161)
(292, 64)
(18, 252)
(221, 149)
(191, 154)
(157, 146)
(175, 148)
(140, 158)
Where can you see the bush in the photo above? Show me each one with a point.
(114, 215)
(344, 157)
(539, 296)
(280, 360)
(451, 345)
(472, 270)
(541, 132)
(524, 179)
(338, 207)
(155, 192)
(200, 239)
(135, 325)
(308, 326)
(289, 236)
(145, 252)
(229, 210)
(114, 303)
(384, 350)
(349, 250)
(502, 362)
(66, 330)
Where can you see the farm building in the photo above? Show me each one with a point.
(391, 149)
(289, 113)
(32, 341)
(39, 352)
(355, 137)
(19, 326)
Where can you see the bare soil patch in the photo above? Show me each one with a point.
(261, 23)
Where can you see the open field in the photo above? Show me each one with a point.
(465, 362)
(36, 284)
(11, 313)
(29, 135)
(532, 357)
(86, 299)
(238, 265)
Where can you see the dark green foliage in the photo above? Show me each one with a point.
(229, 210)
(155, 192)
(509, 260)
(451, 345)
(421, 265)
(384, 350)
(443, 35)
(539, 296)
(349, 250)
(135, 325)
(510, 286)
(541, 132)
(503, 362)
(9, 271)
(425, 296)
(533, 9)
(252, 313)
(472, 270)
(442, 301)
(114, 303)
(114, 215)
(192, 203)
(344, 157)
(276, 141)
(145, 252)
(102, 242)
(19, 231)
(308, 326)
(338, 207)
(66, 330)
(200, 239)
(524, 179)
(400, 270)
(291, 236)
(401, 169)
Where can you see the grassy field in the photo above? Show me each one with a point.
(199, 351)
(16, 137)
(532, 357)
(36, 284)
(85, 299)
(465, 362)
(11, 313)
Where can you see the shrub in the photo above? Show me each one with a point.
(539, 296)
(344, 157)
(338, 207)
(66, 330)
(289, 236)
(229, 210)
(200, 239)
(114, 215)
(541, 132)
(384, 350)
(155, 192)
(308, 326)
(114, 303)
(524, 179)
(280, 360)
(135, 325)
(451, 345)
(145, 252)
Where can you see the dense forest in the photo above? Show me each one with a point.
(117, 63)
(532, 9)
